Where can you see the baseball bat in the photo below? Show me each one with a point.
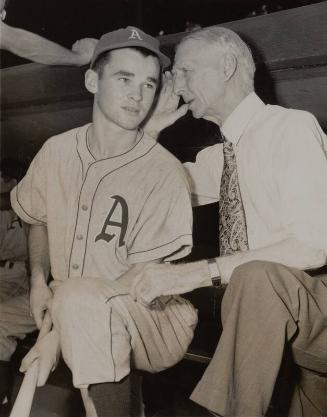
(23, 403)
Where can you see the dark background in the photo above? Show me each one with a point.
(65, 21)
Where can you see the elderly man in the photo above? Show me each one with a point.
(30, 46)
(269, 176)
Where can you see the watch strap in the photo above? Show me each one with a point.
(214, 272)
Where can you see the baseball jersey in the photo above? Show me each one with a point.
(104, 215)
(13, 245)
(13, 250)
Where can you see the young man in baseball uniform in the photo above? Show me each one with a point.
(100, 199)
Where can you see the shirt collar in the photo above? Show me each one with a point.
(238, 120)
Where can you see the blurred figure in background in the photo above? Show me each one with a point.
(15, 318)
(38, 49)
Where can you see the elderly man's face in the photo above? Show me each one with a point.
(198, 78)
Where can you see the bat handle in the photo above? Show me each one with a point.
(46, 326)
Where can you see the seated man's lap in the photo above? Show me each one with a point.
(305, 298)
(100, 325)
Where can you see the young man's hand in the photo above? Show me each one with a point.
(166, 111)
(40, 300)
(47, 352)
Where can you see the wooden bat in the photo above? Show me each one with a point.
(24, 399)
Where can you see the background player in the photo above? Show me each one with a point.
(15, 318)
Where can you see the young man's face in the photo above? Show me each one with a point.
(198, 77)
(127, 87)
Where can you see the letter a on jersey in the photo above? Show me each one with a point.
(135, 35)
(122, 224)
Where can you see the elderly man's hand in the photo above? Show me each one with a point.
(85, 48)
(46, 351)
(166, 111)
(153, 280)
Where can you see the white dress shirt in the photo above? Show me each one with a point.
(282, 170)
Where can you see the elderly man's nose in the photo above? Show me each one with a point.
(179, 84)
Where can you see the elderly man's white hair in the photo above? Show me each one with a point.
(228, 41)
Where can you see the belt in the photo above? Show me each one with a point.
(6, 264)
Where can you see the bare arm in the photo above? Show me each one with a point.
(38, 49)
(47, 347)
(152, 281)
(40, 269)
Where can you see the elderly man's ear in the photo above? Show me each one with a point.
(91, 81)
(230, 66)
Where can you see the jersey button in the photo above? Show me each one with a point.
(79, 237)
(75, 266)
(85, 207)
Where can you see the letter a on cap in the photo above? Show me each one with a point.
(135, 35)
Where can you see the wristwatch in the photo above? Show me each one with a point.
(214, 272)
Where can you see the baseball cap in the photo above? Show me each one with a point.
(129, 37)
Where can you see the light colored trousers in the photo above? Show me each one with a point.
(104, 333)
(15, 319)
(267, 307)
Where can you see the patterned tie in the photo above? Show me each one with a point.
(232, 223)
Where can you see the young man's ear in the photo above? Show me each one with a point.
(230, 65)
(91, 81)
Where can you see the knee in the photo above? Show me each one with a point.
(69, 298)
(256, 273)
(252, 269)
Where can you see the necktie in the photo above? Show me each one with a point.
(232, 222)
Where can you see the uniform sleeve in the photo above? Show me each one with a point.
(164, 227)
(13, 245)
(303, 181)
(28, 198)
(204, 175)
(5, 222)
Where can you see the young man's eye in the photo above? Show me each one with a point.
(123, 79)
